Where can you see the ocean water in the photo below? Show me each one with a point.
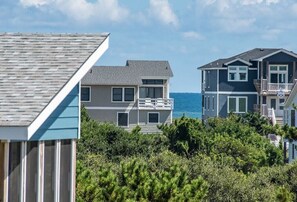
(188, 104)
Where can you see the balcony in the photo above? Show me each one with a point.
(156, 103)
(286, 87)
(272, 88)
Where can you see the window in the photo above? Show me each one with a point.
(208, 103)
(117, 94)
(129, 94)
(239, 73)
(278, 74)
(153, 117)
(85, 94)
(213, 103)
(122, 94)
(281, 104)
(237, 104)
(123, 119)
(151, 92)
(153, 81)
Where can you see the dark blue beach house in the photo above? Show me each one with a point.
(258, 80)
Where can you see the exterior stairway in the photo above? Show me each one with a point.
(279, 120)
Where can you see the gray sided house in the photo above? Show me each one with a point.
(258, 80)
(40, 112)
(135, 94)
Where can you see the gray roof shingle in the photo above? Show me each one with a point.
(131, 74)
(35, 67)
(248, 56)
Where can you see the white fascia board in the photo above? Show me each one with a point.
(68, 87)
(13, 133)
(240, 60)
(276, 52)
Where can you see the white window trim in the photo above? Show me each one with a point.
(127, 119)
(123, 95)
(237, 71)
(90, 90)
(148, 117)
(237, 104)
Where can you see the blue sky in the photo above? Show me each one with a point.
(187, 33)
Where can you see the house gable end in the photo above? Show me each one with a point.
(238, 61)
(63, 123)
(281, 57)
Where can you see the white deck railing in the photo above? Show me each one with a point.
(277, 86)
(156, 103)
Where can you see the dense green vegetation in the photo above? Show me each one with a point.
(219, 160)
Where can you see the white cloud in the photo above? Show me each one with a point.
(268, 2)
(250, 2)
(36, 3)
(162, 11)
(192, 35)
(83, 10)
(222, 5)
(240, 16)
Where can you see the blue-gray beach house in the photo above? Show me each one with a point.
(40, 112)
(258, 80)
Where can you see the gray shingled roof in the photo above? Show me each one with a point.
(248, 56)
(131, 74)
(35, 67)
